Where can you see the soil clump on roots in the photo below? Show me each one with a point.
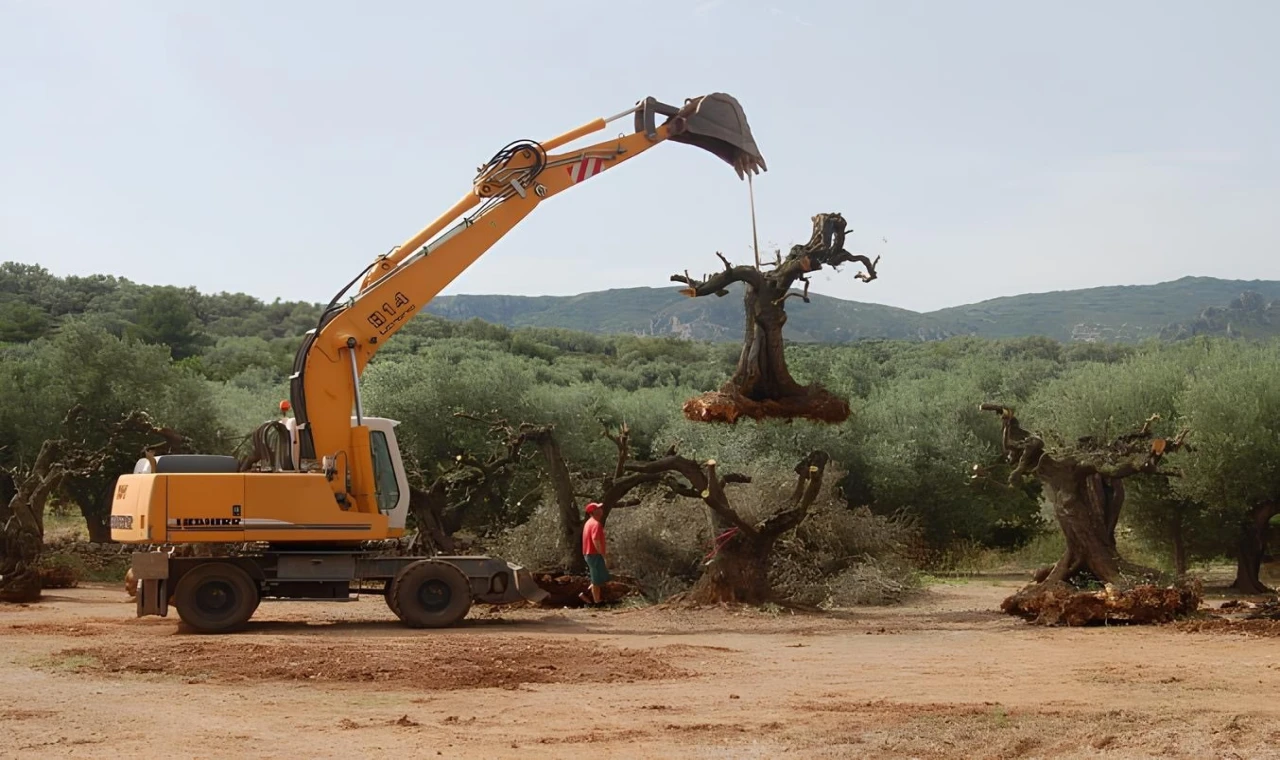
(1063, 604)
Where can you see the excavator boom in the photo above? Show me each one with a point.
(506, 189)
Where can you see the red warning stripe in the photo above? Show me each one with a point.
(585, 169)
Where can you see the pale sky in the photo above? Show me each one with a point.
(999, 147)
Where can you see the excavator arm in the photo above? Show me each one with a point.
(325, 386)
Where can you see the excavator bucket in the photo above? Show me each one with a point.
(715, 123)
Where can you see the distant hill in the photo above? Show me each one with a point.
(1115, 313)
(1249, 315)
(661, 311)
(33, 302)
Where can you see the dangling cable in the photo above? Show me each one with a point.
(755, 241)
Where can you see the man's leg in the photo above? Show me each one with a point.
(596, 567)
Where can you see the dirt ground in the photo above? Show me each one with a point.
(944, 676)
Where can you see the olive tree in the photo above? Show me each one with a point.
(1233, 405)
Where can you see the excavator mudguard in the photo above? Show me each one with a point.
(716, 123)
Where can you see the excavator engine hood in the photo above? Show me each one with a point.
(715, 123)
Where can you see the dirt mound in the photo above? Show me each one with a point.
(1060, 604)
(817, 404)
(435, 663)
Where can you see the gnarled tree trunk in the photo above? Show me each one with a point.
(762, 372)
(95, 508)
(430, 511)
(1252, 547)
(737, 574)
(570, 516)
(22, 528)
(1087, 507)
(1181, 560)
(738, 568)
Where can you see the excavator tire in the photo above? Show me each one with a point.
(429, 594)
(216, 597)
(390, 596)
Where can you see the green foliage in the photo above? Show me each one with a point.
(215, 365)
(921, 438)
(1233, 408)
(21, 322)
(108, 377)
(165, 316)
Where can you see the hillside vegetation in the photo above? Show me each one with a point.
(215, 366)
(32, 301)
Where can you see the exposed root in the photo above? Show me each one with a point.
(58, 576)
(816, 403)
(1061, 604)
(564, 589)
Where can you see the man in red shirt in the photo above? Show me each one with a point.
(593, 550)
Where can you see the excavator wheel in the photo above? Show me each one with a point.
(390, 596)
(216, 597)
(429, 594)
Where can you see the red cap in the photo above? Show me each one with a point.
(284, 406)
(593, 507)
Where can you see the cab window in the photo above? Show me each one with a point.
(384, 472)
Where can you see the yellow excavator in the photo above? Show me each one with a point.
(332, 483)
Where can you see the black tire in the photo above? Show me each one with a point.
(389, 593)
(429, 594)
(216, 597)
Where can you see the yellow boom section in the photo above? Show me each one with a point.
(400, 284)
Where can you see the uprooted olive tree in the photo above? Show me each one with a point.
(761, 386)
(22, 524)
(1084, 482)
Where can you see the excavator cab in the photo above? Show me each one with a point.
(716, 123)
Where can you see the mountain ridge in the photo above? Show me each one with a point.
(1112, 313)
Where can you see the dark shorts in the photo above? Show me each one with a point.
(595, 566)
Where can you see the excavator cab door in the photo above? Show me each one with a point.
(716, 123)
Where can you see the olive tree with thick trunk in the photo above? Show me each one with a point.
(738, 570)
(762, 386)
(1085, 484)
(22, 524)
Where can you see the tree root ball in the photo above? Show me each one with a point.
(816, 403)
(563, 590)
(1062, 604)
(58, 576)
